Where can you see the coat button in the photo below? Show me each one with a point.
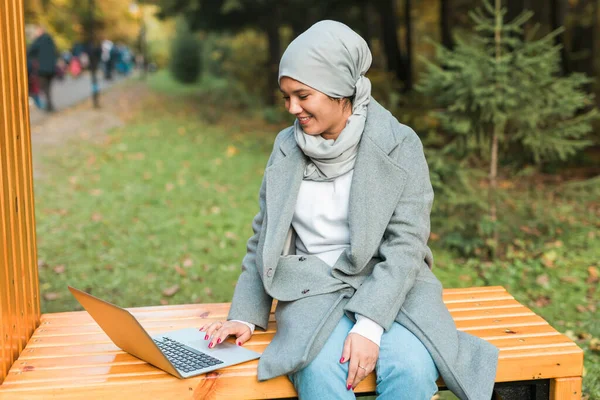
(302, 258)
(270, 272)
(305, 291)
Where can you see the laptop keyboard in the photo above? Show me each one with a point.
(184, 359)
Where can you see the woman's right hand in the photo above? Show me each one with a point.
(218, 331)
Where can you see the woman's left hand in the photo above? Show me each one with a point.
(362, 354)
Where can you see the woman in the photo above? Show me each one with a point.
(341, 242)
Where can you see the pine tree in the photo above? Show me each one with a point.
(500, 88)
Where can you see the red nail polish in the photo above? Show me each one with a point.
(210, 346)
(349, 387)
(342, 359)
(206, 337)
(218, 341)
(239, 343)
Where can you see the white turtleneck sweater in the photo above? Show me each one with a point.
(321, 225)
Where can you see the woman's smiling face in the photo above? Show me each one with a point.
(315, 111)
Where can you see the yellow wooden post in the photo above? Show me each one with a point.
(19, 289)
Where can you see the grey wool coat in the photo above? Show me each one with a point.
(385, 275)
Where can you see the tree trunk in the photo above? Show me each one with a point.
(407, 60)
(497, 129)
(445, 30)
(367, 31)
(93, 57)
(272, 30)
(558, 10)
(387, 15)
(582, 38)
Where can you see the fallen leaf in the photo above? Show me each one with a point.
(465, 278)
(231, 151)
(581, 308)
(221, 188)
(543, 280)
(50, 296)
(169, 186)
(549, 257)
(136, 156)
(593, 275)
(530, 231)
(96, 192)
(215, 210)
(595, 344)
(164, 302)
(584, 336)
(569, 279)
(208, 291)
(59, 269)
(91, 160)
(170, 291)
(571, 335)
(188, 262)
(180, 270)
(231, 235)
(542, 301)
(96, 217)
(42, 263)
(592, 307)
(434, 236)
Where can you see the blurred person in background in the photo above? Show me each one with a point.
(44, 55)
(34, 83)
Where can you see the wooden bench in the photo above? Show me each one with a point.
(69, 357)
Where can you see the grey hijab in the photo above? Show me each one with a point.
(331, 58)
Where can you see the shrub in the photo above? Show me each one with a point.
(185, 63)
(244, 60)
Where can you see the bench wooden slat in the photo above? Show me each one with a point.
(118, 358)
(197, 311)
(555, 362)
(50, 330)
(33, 370)
(70, 357)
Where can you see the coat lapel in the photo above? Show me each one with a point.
(376, 187)
(283, 184)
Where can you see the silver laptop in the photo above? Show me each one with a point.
(182, 353)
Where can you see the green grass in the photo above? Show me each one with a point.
(167, 202)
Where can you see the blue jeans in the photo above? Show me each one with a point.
(404, 369)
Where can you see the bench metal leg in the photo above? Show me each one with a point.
(523, 390)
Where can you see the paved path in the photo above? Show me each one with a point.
(78, 120)
(71, 91)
